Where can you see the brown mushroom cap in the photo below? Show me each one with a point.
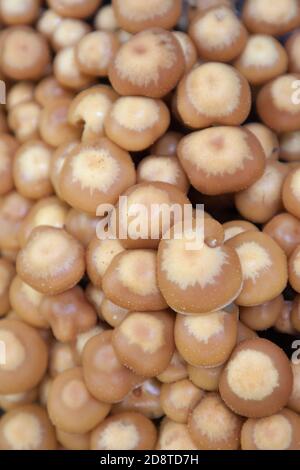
(290, 146)
(95, 174)
(294, 400)
(52, 260)
(206, 340)
(265, 17)
(280, 431)
(213, 426)
(213, 93)
(26, 357)
(267, 138)
(144, 342)
(283, 323)
(167, 144)
(27, 428)
(26, 302)
(174, 436)
(264, 316)
(149, 64)
(178, 399)
(206, 378)
(68, 314)
(73, 441)
(276, 105)
(99, 255)
(285, 230)
(143, 399)
(295, 313)
(218, 34)
(257, 380)
(211, 165)
(124, 431)
(197, 279)
(7, 272)
(294, 269)
(263, 199)
(130, 281)
(88, 110)
(134, 16)
(162, 204)
(24, 53)
(75, 8)
(70, 405)
(135, 122)
(176, 370)
(106, 378)
(8, 147)
(262, 59)
(260, 257)
(291, 192)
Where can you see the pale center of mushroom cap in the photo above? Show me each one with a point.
(48, 22)
(217, 151)
(204, 327)
(137, 272)
(267, 188)
(290, 142)
(23, 431)
(105, 359)
(95, 49)
(271, 12)
(5, 277)
(282, 94)
(218, 28)
(145, 331)
(255, 260)
(214, 420)
(53, 215)
(231, 232)
(65, 63)
(92, 109)
(105, 253)
(137, 10)
(294, 50)
(142, 59)
(119, 435)
(83, 338)
(49, 254)
(189, 268)
(32, 295)
(15, 7)
(34, 163)
(260, 51)
(296, 264)
(183, 394)
(69, 30)
(135, 113)
(74, 394)
(175, 436)
(273, 433)
(106, 19)
(13, 350)
(295, 184)
(214, 89)
(95, 169)
(22, 50)
(5, 161)
(162, 169)
(252, 375)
